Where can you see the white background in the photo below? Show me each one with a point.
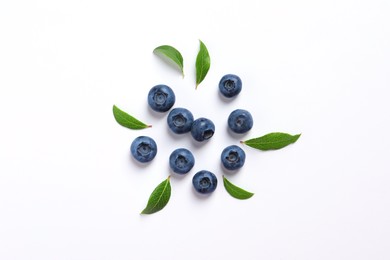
(70, 190)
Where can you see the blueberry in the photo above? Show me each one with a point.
(180, 120)
(204, 182)
(181, 161)
(233, 157)
(143, 149)
(240, 121)
(161, 98)
(202, 129)
(230, 85)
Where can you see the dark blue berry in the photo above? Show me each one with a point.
(230, 85)
(202, 129)
(233, 157)
(240, 121)
(161, 98)
(181, 161)
(204, 182)
(180, 120)
(143, 149)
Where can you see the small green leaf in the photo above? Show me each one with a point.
(202, 63)
(171, 56)
(272, 141)
(235, 191)
(127, 120)
(159, 197)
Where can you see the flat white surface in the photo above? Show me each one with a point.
(69, 189)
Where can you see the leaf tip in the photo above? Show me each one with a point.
(297, 137)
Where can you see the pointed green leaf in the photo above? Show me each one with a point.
(235, 191)
(171, 55)
(127, 120)
(202, 63)
(272, 141)
(159, 197)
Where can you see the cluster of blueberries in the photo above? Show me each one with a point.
(161, 98)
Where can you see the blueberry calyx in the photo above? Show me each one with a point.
(180, 120)
(204, 182)
(161, 98)
(230, 85)
(240, 121)
(143, 149)
(202, 129)
(233, 157)
(181, 161)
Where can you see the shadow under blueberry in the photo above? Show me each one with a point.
(140, 164)
(157, 115)
(175, 175)
(198, 145)
(200, 195)
(228, 172)
(177, 136)
(236, 136)
(224, 99)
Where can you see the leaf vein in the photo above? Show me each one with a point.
(162, 193)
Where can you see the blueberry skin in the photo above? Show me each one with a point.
(202, 129)
(161, 98)
(204, 182)
(240, 121)
(180, 120)
(143, 149)
(233, 157)
(181, 161)
(230, 85)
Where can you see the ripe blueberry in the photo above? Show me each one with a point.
(204, 182)
(230, 85)
(202, 129)
(143, 149)
(240, 121)
(180, 120)
(161, 98)
(233, 157)
(181, 161)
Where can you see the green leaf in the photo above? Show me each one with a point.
(127, 120)
(159, 197)
(171, 56)
(272, 141)
(235, 191)
(202, 63)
